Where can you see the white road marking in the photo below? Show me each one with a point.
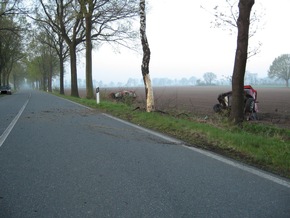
(12, 124)
(244, 167)
(252, 170)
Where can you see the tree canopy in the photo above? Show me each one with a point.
(209, 77)
(10, 47)
(226, 15)
(88, 23)
(280, 68)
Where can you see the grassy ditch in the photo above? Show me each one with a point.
(264, 146)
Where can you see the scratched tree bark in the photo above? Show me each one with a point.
(146, 59)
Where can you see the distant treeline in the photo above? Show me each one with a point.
(192, 81)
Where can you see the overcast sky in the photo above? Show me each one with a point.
(183, 43)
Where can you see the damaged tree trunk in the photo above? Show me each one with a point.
(146, 59)
(237, 110)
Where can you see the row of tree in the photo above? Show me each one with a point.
(62, 28)
(12, 29)
(250, 78)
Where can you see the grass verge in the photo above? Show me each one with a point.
(266, 147)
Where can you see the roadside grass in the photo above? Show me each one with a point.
(264, 146)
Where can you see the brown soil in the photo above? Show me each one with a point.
(274, 103)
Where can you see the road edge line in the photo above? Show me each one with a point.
(258, 172)
(239, 165)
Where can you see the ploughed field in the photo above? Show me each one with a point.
(274, 103)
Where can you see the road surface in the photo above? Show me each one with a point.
(60, 159)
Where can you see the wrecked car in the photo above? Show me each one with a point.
(250, 103)
(123, 94)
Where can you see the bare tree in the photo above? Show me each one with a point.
(90, 21)
(9, 7)
(65, 18)
(71, 27)
(209, 77)
(47, 18)
(109, 22)
(56, 42)
(87, 9)
(226, 17)
(146, 59)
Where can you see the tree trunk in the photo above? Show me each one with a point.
(149, 93)
(73, 65)
(237, 108)
(7, 79)
(49, 82)
(8, 72)
(44, 82)
(50, 74)
(146, 59)
(72, 41)
(61, 76)
(61, 68)
(15, 82)
(89, 78)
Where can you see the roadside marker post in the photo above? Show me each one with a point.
(98, 95)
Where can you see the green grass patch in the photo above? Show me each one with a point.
(264, 146)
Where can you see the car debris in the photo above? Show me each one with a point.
(123, 94)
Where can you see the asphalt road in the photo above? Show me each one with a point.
(60, 159)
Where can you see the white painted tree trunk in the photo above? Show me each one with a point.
(149, 93)
(146, 59)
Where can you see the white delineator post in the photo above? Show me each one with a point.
(98, 95)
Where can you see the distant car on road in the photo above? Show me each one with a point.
(5, 90)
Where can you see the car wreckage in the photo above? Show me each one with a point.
(250, 103)
(123, 94)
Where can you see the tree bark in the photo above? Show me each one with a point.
(89, 77)
(73, 65)
(61, 56)
(61, 76)
(237, 108)
(72, 41)
(146, 59)
(50, 72)
(49, 79)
